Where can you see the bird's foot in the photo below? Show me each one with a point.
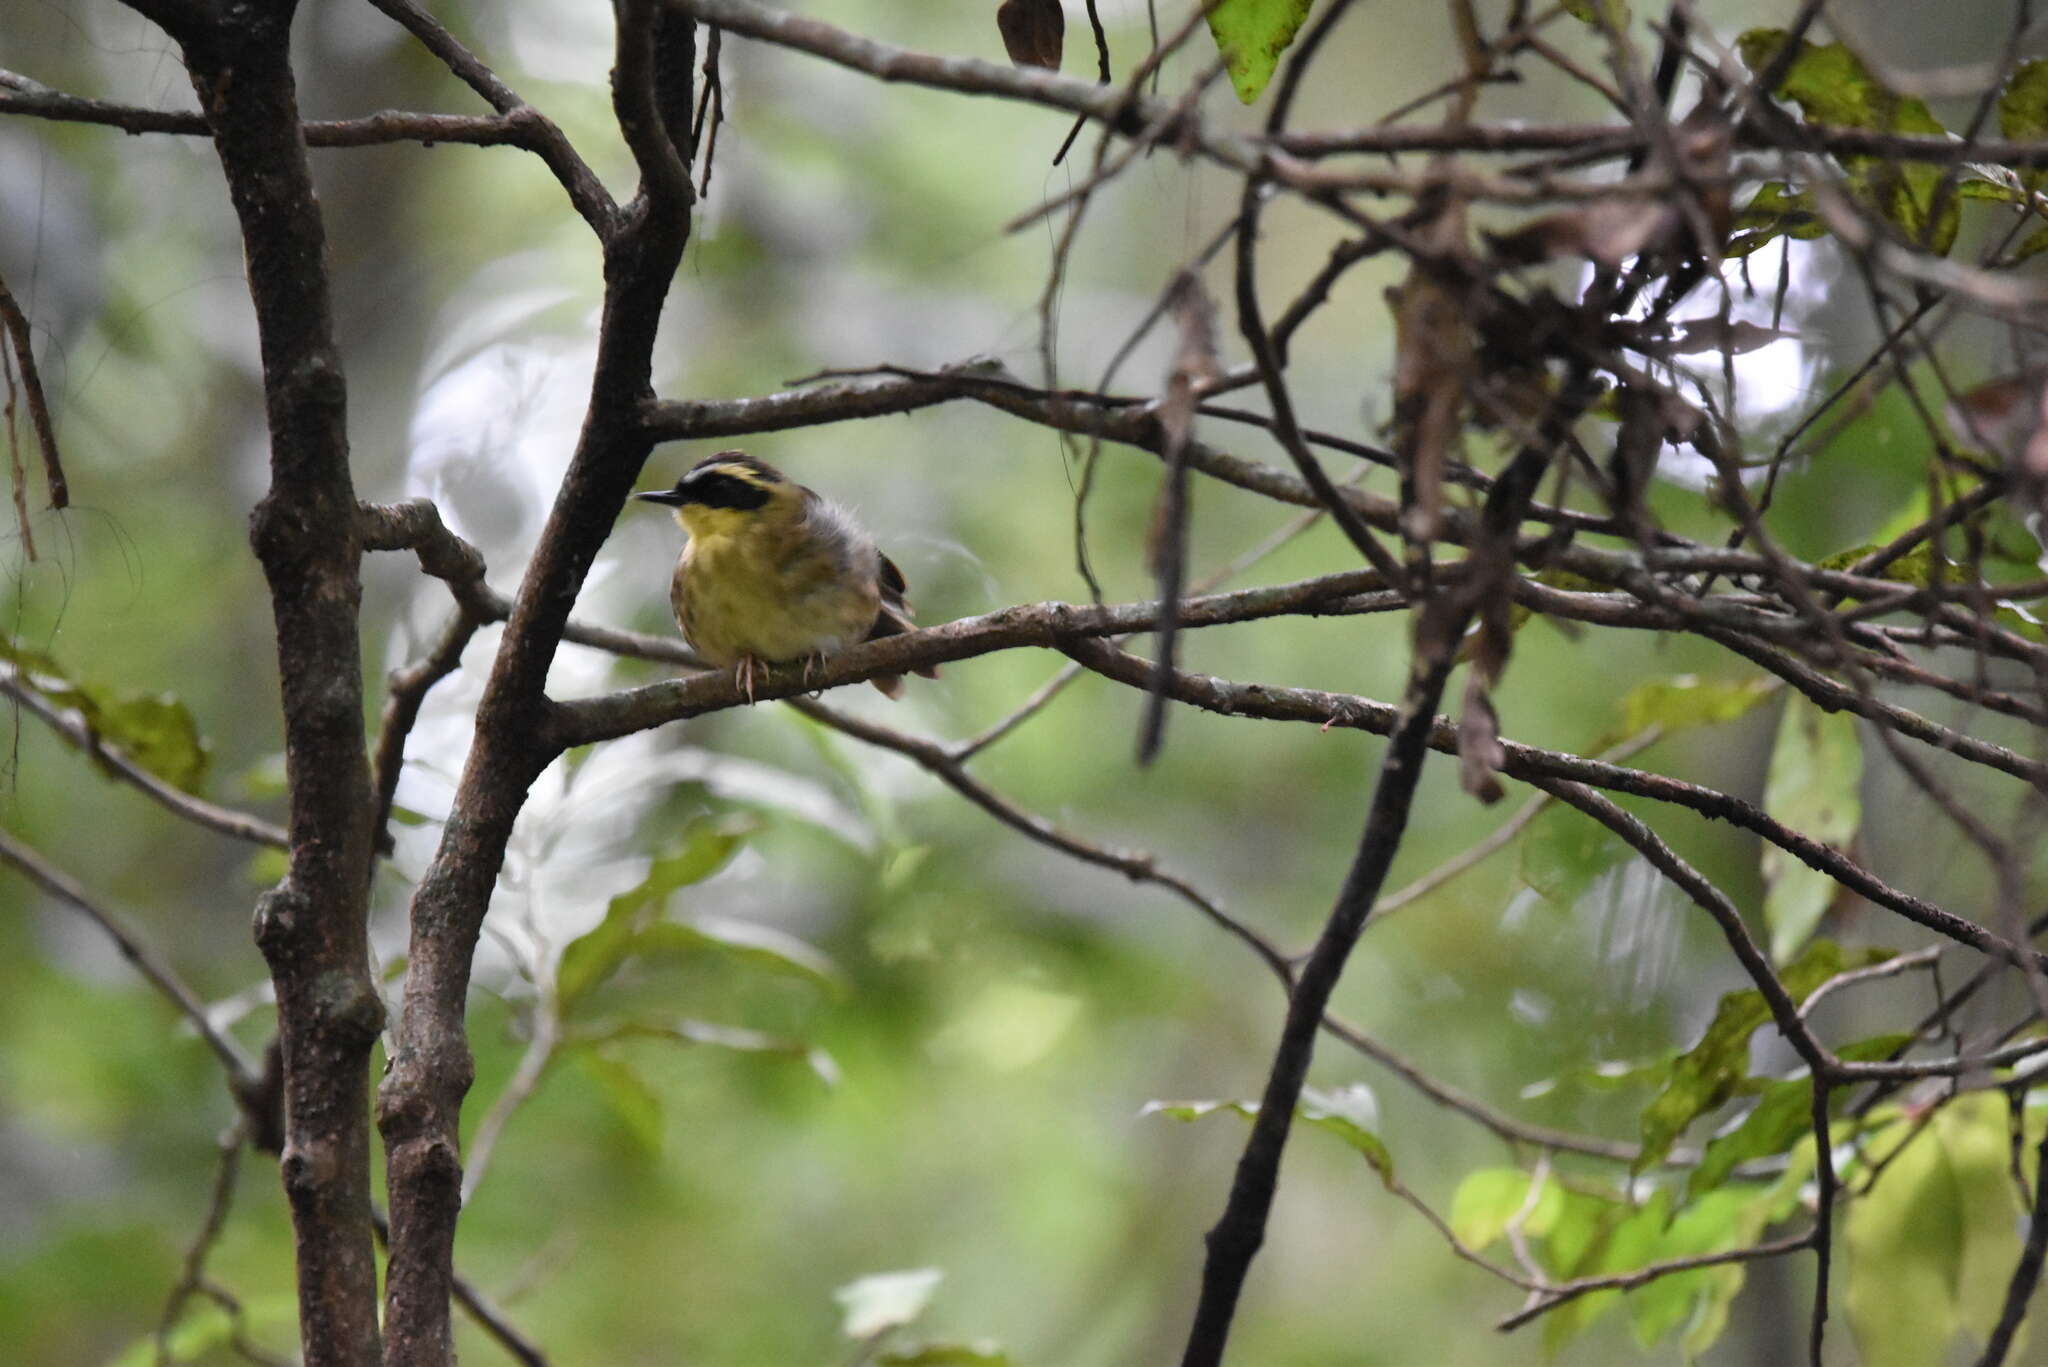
(743, 675)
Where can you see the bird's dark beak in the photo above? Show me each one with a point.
(667, 497)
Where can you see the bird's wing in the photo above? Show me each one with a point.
(894, 590)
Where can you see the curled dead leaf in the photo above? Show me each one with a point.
(2009, 416)
(1480, 753)
(1608, 231)
(1034, 31)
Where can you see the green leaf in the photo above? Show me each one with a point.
(1831, 86)
(1688, 700)
(1915, 567)
(1973, 1134)
(1600, 14)
(1932, 1243)
(1251, 35)
(1673, 1302)
(594, 956)
(1565, 852)
(1717, 1068)
(1781, 1116)
(630, 1100)
(2023, 104)
(1348, 1113)
(1816, 772)
(710, 1034)
(946, 1355)
(1488, 1200)
(1978, 181)
(1351, 1114)
(1776, 210)
(886, 1300)
(746, 942)
(154, 730)
(1903, 1239)
(2032, 244)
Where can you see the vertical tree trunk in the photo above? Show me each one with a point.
(312, 926)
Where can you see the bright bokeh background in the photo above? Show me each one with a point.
(997, 1016)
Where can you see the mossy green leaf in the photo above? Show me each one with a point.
(1832, 87)
(1781, 1116)
(1776, 210)
(2023, 104)
(1717, 1067)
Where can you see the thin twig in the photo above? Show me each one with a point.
(115, 761)
(244, 1079)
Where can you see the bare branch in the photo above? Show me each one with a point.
(224, 820)
(244, 1078)
(22, 345)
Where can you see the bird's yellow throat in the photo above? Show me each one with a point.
(713, 524)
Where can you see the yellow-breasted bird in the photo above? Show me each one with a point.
(774, 573)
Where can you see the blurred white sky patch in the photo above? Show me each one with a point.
(503, 401)
(561, 42)
(1773, 381)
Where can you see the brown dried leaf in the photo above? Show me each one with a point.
(1194, 364)
(1433, 361)
(1480, 753)
(1705, 142)
(1034, 31)
(1608, 231)
(2001, 415)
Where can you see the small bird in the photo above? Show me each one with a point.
(774, 573)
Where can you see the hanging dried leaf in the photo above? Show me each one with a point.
(1705, 143)
(1034, 31)
(2000, 415)
(1480, 753)
(1608, 231)
(1193, 365)
(2008, 416)
(1434, 361)
(1166, 541)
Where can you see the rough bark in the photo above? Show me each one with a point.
(419, 1106)
(311, 927)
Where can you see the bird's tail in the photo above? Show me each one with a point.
(890, 621)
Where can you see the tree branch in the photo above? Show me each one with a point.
(224, 820)
(419, 1104)
(312, 927)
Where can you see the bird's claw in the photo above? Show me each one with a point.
(743, 675)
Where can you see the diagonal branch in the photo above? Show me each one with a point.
(420, 1101)
(200, 812)
(245, 1079)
